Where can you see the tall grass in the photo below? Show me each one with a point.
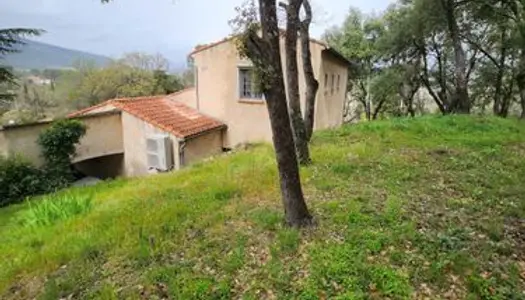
(408, 208)
(54, 208)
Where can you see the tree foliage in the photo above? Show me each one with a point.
(58, 146)
(10, 40)
(54, 93)
(464, 56)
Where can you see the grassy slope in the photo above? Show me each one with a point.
(406, 209)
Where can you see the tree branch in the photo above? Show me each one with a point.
(485, 52)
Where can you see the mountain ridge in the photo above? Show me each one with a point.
(39, 55)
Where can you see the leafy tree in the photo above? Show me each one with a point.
(188, 77)
(166, 83)
(357, 40)
(10, 39)
(144, 61)
(58, 143)
(119, 80)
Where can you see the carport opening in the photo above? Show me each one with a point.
(104, 167)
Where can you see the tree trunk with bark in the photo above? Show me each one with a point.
(522, 96)
(406, 91)
(520, 80)
(441, 102)
(292, 76)
(265, 54)
(378, 109)
(409, 86)
(461, 101)
(312, 85)
(499, 106)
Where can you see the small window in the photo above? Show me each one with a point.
(325, 83)
(247, 85)
(333, 84)
(338, 82)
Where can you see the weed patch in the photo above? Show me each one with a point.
(55, 208)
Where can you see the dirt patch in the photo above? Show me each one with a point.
(441, 152)
(515, 232)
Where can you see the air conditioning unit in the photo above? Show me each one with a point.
(159, 152)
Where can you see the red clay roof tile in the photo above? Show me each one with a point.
(163, 113)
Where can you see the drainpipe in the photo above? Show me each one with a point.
(196, 80)
(182, 146)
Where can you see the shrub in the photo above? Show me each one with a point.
(54, 208)
(19, 179)
(58, 146)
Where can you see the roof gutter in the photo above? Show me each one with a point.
(339, 56)
(182, 146)
(196, 135)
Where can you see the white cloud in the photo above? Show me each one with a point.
(171, 27)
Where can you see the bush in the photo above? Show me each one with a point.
(52, 209)
(19, 179)
(58, 146)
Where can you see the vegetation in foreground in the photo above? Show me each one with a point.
(409, 208)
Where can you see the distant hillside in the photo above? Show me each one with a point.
(37, 55)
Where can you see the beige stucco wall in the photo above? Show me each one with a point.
(135, 154)
(247, 119)
(214, 81)
(187, 96)
(23, 141)
(202, 146)
(103, 137)
(330, 104)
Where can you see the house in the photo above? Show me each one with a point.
(137, 136)
(37, 80)
(225, 90)
(128, 137)
(102, 142)
(158, 134)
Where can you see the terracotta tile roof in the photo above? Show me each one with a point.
(171, 116)
(86, 110)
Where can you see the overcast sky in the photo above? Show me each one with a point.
(170, 27)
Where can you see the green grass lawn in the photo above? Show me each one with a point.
(427, 208)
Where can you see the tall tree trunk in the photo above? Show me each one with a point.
(265, 54)
(378, 109)
(409, 87)
(520, 80)
(292, 76)
(410, 109)
(500, 108)
(425, 79)
(522, 96)
(461, 101)
(312, 85)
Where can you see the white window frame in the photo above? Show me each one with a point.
(240, 86)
